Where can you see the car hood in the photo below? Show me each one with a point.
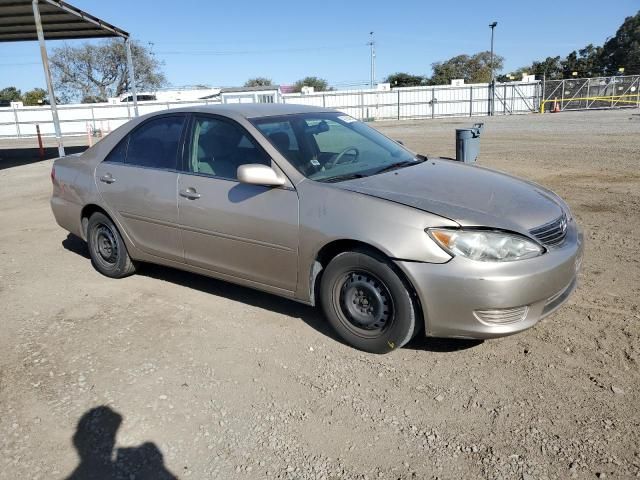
(469, 195)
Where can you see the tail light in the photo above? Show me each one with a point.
(53, 174)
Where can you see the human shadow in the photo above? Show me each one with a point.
(312, 316)
(95, 441)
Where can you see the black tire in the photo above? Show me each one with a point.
(107, 249)
(367, 303)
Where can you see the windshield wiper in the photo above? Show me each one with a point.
(397, 165)
(340, 178)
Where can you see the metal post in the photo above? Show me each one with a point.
(47, 74)
(492, 85)
(504, 99)
(613, 89)
(15, 116)
(40, 147)
(433, 102)
(132, 75)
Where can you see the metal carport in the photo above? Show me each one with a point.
(28, 20)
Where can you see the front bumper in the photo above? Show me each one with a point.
(453, 294)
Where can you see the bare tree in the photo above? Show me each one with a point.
(95, 72)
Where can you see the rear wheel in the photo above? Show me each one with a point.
(107, 249)
(367, 303)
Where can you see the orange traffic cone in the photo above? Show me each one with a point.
(556, 106)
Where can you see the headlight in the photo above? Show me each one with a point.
(485, 246)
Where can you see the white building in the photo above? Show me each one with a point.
(185, 94)
(270, 94)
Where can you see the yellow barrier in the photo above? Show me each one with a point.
(612, 98)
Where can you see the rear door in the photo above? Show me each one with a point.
(138, 180)
(244, 231)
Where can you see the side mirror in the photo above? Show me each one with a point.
(258, 174)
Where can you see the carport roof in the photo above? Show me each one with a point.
(60, 21)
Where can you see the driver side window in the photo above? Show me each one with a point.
(218, 148)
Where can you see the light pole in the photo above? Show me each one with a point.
(372, 52)
(492, 85)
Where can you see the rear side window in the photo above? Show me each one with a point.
(119, 153)
(155, 144)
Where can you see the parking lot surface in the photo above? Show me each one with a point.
(169, 374)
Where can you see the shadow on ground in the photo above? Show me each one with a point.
(310, 315)
(13, 157)
(95, 441)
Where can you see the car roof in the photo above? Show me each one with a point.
(251, 110)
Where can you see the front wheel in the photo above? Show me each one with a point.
(107, 249)
(367, 303)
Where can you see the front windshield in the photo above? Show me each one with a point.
(332, 146)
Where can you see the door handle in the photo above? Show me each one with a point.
(190, 193)
(107, 178)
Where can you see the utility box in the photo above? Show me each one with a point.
(468, 143)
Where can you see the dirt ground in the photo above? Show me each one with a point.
(168, 373)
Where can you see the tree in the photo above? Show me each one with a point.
(623, 49)
(550, 68)
(10, 93)
(318, 84)
(99, 71)
(34, 97)
(587, 62)
(473, 69)
(258, 82)
(401, 79)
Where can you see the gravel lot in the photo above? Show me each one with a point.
(168, 373)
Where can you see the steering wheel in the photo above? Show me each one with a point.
(336, 160)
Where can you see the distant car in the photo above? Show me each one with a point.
(315, 206)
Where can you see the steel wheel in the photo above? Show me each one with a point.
(106, 244)
(106, 247)
(365, 303)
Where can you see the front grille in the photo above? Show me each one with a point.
(553, 233)
(502, 316)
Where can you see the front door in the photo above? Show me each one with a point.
(138, 181)
(249, 232)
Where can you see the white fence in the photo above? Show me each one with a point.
(399, 103)
(76, 119)
(427, 102)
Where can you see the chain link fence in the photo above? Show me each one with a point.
(591, 93)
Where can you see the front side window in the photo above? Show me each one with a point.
(333, 146)
(155, 144)
(218, 148)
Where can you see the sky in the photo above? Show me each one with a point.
(225, 43)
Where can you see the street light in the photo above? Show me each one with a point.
(372, 53)
(492, 26)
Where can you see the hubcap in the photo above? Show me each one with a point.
(106, 244)
(365, 301)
